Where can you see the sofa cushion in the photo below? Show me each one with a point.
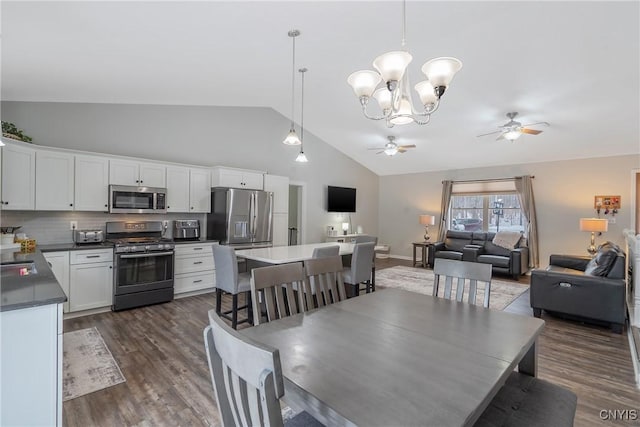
(601, 264)
(449, 255)
(456, 240)
(492, 249)
(507, 239)
(478, 238)
(495, 260)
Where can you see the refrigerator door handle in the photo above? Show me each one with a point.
(252, 216)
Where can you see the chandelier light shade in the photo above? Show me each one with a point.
(302, 158)
(292, 136)
(390, 87)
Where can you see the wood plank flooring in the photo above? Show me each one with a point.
(160, 350)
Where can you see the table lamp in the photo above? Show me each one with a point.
(345, 228)
(593, 225)
(427, 220)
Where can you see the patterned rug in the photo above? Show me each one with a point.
(88, 364)
(420, 280)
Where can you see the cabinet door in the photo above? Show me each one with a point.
(177, 189)
(252, 181)
(279, 185)
(54, 181)
(18, 178)
(229, 178)
(153, 175)
(280, 229)
(123, 172)
(59, 264)
(200, 191)
(91, 183)
(90, 286)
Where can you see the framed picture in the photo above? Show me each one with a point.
(606, 202)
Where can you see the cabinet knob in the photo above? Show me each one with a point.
(110, 267)
(106, 206)
(70, 204)
(192, 207)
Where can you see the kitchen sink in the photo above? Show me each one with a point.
(23, 268)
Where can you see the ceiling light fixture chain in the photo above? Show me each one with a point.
(393, 95)
(302, 158)
(292, 137)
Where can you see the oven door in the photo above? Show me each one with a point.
(139, 272)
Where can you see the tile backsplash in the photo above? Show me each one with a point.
(49, 227)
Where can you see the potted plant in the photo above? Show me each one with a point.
(9, 130)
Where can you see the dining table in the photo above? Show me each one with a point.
(287, 254)
(399, 358)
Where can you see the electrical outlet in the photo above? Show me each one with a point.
(165, 224)
(73, 225)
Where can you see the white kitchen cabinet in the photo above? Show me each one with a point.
(91, 183)
(188, 190)
(18, 177)
(194, 267)
(126, 172)
(59, 263)
(54, 181)
(90, 279)
(31, 366)
(236, 178)
(279, 185)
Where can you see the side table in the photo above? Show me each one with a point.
(425, 247)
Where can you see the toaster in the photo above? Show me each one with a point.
(88, 236)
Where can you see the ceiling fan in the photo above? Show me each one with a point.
(391, 148)
(513, 130)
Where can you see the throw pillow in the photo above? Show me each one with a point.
(507, 239)
(602, 263)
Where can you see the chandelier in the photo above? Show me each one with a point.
(292, 137)
(393, 95)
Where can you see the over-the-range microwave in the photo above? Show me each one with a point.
(132, 199)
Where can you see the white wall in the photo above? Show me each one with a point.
(240, 137)
(563, 193)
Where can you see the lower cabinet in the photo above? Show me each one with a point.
(194, 267)
(59, 263)
(31, 378)
(90, 279)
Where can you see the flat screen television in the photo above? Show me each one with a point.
(341, 199)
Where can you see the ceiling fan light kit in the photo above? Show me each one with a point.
(391, 148)
(390, 85)
(513, 130)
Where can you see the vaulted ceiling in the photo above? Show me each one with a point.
(573, 64)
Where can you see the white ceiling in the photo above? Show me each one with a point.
(572, 64)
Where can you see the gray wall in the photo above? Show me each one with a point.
(240, 137)
(563, 192)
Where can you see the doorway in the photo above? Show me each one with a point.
(297, 213)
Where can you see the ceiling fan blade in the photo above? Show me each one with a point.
(407, 146)
(536, 124)
(530, 131)
(380, 152)
(376, 148)
(401, 150)
(500, 137)
(490, 133)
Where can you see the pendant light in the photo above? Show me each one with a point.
(292, 137)
(301, 156)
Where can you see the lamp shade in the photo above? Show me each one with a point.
(426, 93)
(594, 224)
(427, 219)
(364, 82)
(345, 226)
(392, 65)
(440, 71)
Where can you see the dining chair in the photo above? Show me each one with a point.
(366, 239)
(326, 251)
(247, 379)
(360, 269)
(462, 271)
(277, 286)
(230, 281)
(324, 275)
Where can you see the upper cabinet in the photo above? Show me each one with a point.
(188, 189)
(91, 183)
(126, 172)
(18, 177)
(54, 181)
(236, 178)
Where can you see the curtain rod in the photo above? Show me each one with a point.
(488, 180)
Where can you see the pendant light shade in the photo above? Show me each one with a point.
(292, 136)
(302, 158)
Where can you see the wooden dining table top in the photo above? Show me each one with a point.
(396, 358)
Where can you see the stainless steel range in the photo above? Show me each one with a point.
(143, 264)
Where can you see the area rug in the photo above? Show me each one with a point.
(88, 364)
(420, 280)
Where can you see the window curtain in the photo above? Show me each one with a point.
(447, 186)
(527, 204)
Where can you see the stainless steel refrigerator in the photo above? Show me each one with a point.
(241, 217)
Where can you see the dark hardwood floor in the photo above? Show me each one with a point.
(161, 353)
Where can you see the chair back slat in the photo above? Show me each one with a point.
(476, 274)
(325, 274)
(246, 375)
(278, 284)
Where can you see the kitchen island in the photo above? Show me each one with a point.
(30, 341)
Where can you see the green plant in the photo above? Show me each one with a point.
(10, 130)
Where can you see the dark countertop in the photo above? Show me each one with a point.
(61, 247)
(33, 290)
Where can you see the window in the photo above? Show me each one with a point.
(486, 212)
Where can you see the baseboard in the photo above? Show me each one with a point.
(408, 258)
(86, 312)
(193, 293)
(633, 333)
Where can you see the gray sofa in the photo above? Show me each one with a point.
(582, 286)
(477, 246)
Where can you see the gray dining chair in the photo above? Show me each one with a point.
(247, 379)
(325, 276)
(365, 238)
(462, 271)
(360, 269)
(277, 287)
(326, 251)
(230, 281)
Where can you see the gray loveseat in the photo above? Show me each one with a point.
(478, 246)
(582, 286)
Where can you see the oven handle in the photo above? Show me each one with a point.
(146, 254)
